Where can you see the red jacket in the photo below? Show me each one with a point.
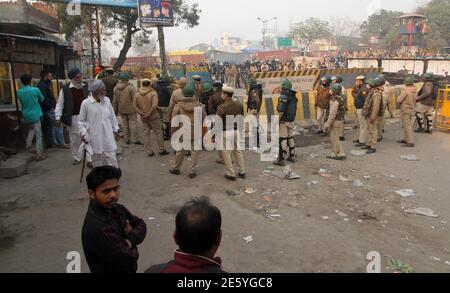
(188, 263)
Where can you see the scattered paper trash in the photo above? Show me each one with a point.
(421, 211)
(359, 221)
(435, 258)
(324, 218)
(447, 263)
(406, 192)
(358, 153)
(358, 183)
(174, 185)
(367, 177)
(343, 179)
(410, 157)
(250, 190)
(322, 171)
(326, 175)
(151, 218)
(248, 239)
(341, 214)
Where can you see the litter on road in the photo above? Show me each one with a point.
(358, 153)
(248, 239)
(406, 192)
(421, 211)
(410, 157)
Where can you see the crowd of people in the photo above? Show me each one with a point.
(392, 54)
(110, 232)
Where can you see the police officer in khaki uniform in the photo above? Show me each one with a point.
(407, 102)
(372, 111)
(335, 121)
(231, 108)
(255, 96)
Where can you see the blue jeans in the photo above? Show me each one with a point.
(52, 133)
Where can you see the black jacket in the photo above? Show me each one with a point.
(49, 102)
(103, 238)
(164, 91)
(287, 105)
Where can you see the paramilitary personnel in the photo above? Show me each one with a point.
(372, 111)
(427, 99)
(335, 121)
(255, 97)
(287, 109)
(322, 102)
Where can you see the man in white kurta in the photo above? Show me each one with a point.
(67, 111)
(98, 126)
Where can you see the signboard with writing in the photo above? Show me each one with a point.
(155, 13)
(284, 42)
(299, 84)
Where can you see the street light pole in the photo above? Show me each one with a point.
(264, 29)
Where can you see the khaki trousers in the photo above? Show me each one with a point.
(179, 158)
(321, 117)
(336, 146)
(362, 126)
(237, 154)
(406, 120)
(129, 122)
(154, 125)
(372, 133)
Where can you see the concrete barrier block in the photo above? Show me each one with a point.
(13, 168)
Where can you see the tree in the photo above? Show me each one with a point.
(438, 15)
(124, 21)
(310, 30)
(344, 27)
(381, 24)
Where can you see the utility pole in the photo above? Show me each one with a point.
(162, 50)
(96, 46)
(264, 29)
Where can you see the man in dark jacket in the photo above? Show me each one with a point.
(110, 234)
(48, 108)
(287, 109)
(110, 82)
(198, 235)
(164, 90)
(359, 93)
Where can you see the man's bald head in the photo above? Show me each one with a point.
(198, 226)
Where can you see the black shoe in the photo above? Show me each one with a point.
(419, 130)
(408, 145)
(231, 178)
(174, 171)
(402, 141)
(128, 142)
(138, 143)
(380, 139)
(192, 175)
(164, 153)
(166, 138)
(371, 151)
(319, 132)
(151, 154)
(355, 127)
(360, 144)
(242, 176)
(428, 131)
(342, 138)
(356, 141)
(291, 159)
(324, 134)
(279, 163)
(366, 147)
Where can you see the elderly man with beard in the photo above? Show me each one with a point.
(98, 126)
(68, 109)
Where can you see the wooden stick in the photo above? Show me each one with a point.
(83, 166)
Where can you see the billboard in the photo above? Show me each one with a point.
(155, 12)
(284, 42)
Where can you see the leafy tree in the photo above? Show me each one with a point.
(381, 24)
(438, 31)
(125, 22)
(310, 30)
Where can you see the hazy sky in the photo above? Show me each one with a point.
(239, 17)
